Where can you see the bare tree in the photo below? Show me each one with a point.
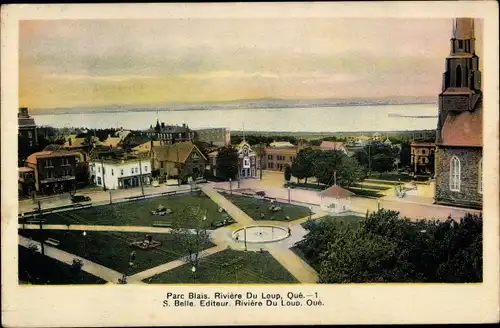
(190, 232)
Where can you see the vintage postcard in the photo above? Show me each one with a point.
(260, 163)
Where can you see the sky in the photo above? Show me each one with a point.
(70, 63)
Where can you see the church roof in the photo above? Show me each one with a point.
(463, 129)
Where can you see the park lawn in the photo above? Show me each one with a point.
(255, 206)
(137, 212)
(390, 177)
(111, 249)
(36, 269)
(307, 186)
(229, 267)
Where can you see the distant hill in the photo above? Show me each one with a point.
(241, 104)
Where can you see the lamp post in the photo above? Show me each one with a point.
(289, 198)
(230, 186)
(310, 213)
(84, 243)
(110, 199)
(378, 204)
(193, 270)
(245, 231)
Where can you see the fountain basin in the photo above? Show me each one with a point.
(259, 234)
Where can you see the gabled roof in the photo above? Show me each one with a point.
(146, 146)
(463, 129)
(112, 142)
(177, 153)
(336, 192)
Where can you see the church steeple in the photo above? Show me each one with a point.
(461, 89)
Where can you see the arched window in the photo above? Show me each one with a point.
(480, 176)
(458, 76)
(455, 174)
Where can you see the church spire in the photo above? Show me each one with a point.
(463, 28)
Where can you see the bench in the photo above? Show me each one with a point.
(53, 242)
(161, 224)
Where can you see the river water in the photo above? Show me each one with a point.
(307, 119)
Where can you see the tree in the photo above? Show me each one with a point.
(288, 173)
(388, 248)
(227, 162)
(260, 150)
(334, 166)
(405, 154)
(189, 231)
(377, 157)
(302, 166)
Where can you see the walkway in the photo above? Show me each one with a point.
(172, 264)
(65, 257)
(287, 258)
(80, 227)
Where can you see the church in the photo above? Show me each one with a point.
(459, 134)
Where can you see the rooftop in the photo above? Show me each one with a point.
(336, 192)
(176, 153)
(463, 129)
(32, 159)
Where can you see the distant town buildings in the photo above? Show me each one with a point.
(120, 173)
(279, 155)
(219, 137)
(170, 133)
(333, 145)
(459, 139)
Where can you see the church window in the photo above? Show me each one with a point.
(455, 174)
(480, 176)
(458, 77)
(460, 44)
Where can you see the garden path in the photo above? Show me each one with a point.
(172, 264)
(287, 258)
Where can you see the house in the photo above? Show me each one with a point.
(459, 138)
(120, 173)
(336, 199)
(26, 182)
(169, 133)
(27, 134)
(182, 160)
(247, 161)
(219, 137)
(422, 156)
(54, 171)
(276, 158)
(281, 144)
(333, 145)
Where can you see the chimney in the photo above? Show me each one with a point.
(184, 125)
(162, 125)
(23, 112)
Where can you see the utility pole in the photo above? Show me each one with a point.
(140, 177)
(41, 227)
(335, 178)
(103, 177)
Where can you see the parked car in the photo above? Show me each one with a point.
(261, 193)
(80, 198)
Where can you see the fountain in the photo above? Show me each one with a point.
(260, 234)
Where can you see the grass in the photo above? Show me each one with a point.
(137, 212)
(247, 267)
(390, 177)
(255, 206)
(112, 250)
(36, 269)
(307, 186)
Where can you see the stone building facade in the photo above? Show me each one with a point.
(459, 139)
